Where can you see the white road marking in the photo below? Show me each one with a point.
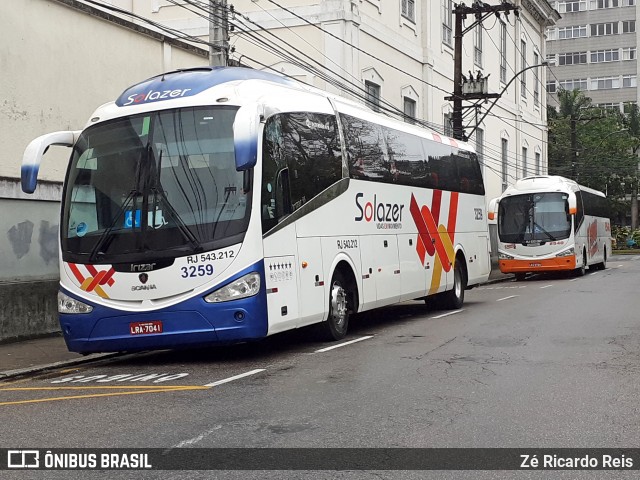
(547, 286)
(449, 313)
(573, 279)
(194, 440)
(594, 273)
(235, 377)
(507, 298)
(343, 344)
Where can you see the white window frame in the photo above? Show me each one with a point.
(408, 10)
(447, 22)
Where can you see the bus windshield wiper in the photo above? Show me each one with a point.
(95, 251)
(544, 231)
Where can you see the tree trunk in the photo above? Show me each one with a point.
(634, 205)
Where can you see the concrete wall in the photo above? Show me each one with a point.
(59, 60)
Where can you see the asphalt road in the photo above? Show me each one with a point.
(549, 362)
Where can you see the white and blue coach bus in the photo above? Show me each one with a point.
(218, 205)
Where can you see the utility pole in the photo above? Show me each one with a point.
(479, 91)
(218, 33)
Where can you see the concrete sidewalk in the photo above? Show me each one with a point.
(33, 355)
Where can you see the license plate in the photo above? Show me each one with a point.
(535, 264)
(145, 328)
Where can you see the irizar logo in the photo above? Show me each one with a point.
(154, 95)
(386, 215)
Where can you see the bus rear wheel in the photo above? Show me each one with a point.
(453, 299)
(335, 327)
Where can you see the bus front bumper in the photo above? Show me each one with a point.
(538, 265)
(191, 323)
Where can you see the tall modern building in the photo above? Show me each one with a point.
(593, 48)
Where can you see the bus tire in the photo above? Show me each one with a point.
(603, 264)
(581, 270)
(453, 299)
(335, 327)
(520, 276)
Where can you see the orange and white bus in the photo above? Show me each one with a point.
(551, 223)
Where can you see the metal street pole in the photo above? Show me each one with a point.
(218, 33)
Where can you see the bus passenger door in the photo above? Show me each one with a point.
(312, 283)
(413, 278)
(367, 260)
(281, 280)
(386, 269)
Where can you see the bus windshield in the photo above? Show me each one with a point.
(534, 218)
(154, 185)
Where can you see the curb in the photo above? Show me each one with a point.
(51, 366)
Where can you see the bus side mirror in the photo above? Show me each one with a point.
(34, 152)
(491, 211)
(245, 136)
(572, 203)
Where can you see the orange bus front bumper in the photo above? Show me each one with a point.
(538, 265)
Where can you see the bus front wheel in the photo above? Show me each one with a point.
(580, 271)
(335, 327)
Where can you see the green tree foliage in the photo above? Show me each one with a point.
(594, 146)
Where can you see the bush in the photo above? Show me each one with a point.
(624, 237)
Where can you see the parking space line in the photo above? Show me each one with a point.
(507, 298)
(322, 350)
(449, 313)
(546, 286)
(235, 377)
(140, 390)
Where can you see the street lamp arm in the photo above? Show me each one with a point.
(543, 64)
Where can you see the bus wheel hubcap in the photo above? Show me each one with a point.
(338, 304)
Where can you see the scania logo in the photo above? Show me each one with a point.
(143, 277)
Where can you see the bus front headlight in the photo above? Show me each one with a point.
(243, 287)
(504, 256)
(66, 304)
(566, 253)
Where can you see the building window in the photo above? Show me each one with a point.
(629, 81)
(628, 26)
(505, 163)
(409, 108)
(447, 22)
(572, 6)
(600, 29)
(605, 83)
(477, 47)
(536, 80)
(538, 163)
(523, 65)
(551, 86)
(524, 162)
(448, 124)
(574, 58)
(503, 52)
(628, 3)
(580, 84)
(576, 31)
(372, 97)
(409, 10)
(629, 53)
(599, 56)
(598, 4)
